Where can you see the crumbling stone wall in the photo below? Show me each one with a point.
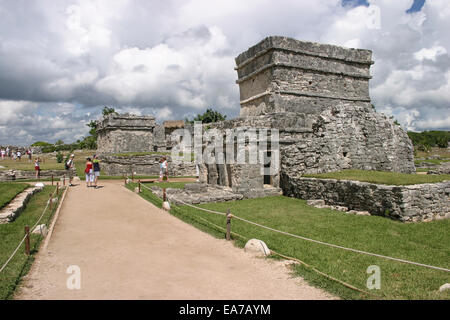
(125, 133)
(421, 202)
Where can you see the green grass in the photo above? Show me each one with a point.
(427, 243)
(174, 185)
(24, 165)
(433, 161)
(9, 190)
(12, 233)
(381, 177)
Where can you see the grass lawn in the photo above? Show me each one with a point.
(9, 191)
(441, 152)
(175, 185)
(12, 233)
(381, 177)
(48, 164)
(427, 243)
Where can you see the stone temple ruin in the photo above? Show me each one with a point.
(316, 97)
(130, 143)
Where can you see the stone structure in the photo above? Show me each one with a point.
(115, 165)
(412, 203)
(125, 133)
(17, 205)
(119, 134)
(317, 97)
(11, 175)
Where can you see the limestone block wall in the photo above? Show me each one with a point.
(283, 74)
(126, 133)
(143, 165)
(11, 175)
(422, 202)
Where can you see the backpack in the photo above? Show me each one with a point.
(67, 165)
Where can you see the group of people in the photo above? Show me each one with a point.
(92, 171)
(15, 155)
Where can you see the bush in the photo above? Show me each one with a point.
(59, 157)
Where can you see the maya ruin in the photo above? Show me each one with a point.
(316, 96)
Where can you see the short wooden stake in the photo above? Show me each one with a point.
(139, 184)
(52, 179)
(164, 195)
(228, 225)
(57, 188)
(132, 176)
(64, 180)
(27, 240)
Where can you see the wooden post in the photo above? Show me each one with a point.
(57, 188)
(50, 203)
(139, 184)
(64, 180)
(125, 180)
(132, 176)
(27, 240)
(228, 225)
(164, 195)
(52, 179)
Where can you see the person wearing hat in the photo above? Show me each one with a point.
(69, 167)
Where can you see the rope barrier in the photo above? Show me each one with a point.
(21, 242)
(295, 259)
(321, 242)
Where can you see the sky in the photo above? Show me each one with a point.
(62, 61)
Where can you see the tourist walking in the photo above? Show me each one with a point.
(165, 169)
(96, 163)
(19, 155)
(3, 153)
(69, 169)
(37, 168)
(89, 171)
(7, 152)
(29, 154)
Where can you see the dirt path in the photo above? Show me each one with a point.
(127, 248)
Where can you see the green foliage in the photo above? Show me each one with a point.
(425, 140)
(93, 125)
(41, 144)
(59, 142)
(59, 157)
(106, 111)
(209, 116)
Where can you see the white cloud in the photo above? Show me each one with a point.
(176, 58)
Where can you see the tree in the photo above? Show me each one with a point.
(93, 125)
(59, 142)
(106, 111)
(209, 116)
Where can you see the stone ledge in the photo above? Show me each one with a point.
(17, 205)
(410, 203)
